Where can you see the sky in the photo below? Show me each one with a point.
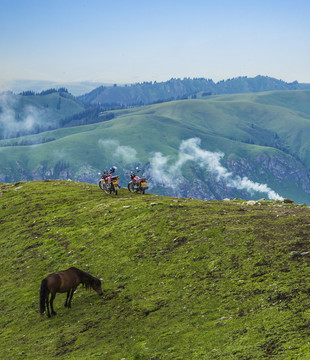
(122, 41)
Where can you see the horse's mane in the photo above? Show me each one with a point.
(86, 279)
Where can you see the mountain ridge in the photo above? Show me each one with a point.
(179, 89)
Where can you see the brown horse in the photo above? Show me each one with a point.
(65, 281)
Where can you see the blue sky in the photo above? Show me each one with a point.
(120, 41)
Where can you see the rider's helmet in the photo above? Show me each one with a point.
(112, 169)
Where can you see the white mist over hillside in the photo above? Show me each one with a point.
(211, 161)
(167, 172)
(12, 123)
(119, 152)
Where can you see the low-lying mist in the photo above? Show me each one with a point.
(165, 171)
(16, 120)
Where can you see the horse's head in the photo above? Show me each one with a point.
(97, 286)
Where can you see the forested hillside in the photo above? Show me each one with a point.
(178, 89)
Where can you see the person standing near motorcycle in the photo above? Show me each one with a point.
(112, 170)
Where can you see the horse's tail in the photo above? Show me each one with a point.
(43, 294)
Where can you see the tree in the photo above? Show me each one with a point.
(58, 104)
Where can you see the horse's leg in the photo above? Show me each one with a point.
(47, 304)
(51, 303)
(72, 292)
(68, 294)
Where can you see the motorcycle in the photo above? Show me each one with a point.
(109, 182)
(137, 184)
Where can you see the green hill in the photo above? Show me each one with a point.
(31, 113)
(182, 278)
(255, 139)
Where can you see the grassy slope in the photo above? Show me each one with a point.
(68, 106)
(182, 278)
(226, 117)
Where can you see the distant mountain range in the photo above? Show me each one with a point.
(177, 89)
(75, 88)
(149, 92)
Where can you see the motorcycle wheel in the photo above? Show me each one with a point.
(114, 190)
(101, 185)
(104, 188)
(131, 187)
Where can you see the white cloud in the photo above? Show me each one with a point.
(164, 172)
(12, 123)
(126, 154)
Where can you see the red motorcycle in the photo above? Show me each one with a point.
(109, 182)
(137, 184)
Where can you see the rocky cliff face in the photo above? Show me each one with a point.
(283, 172)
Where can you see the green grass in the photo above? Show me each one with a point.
(182, 278)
